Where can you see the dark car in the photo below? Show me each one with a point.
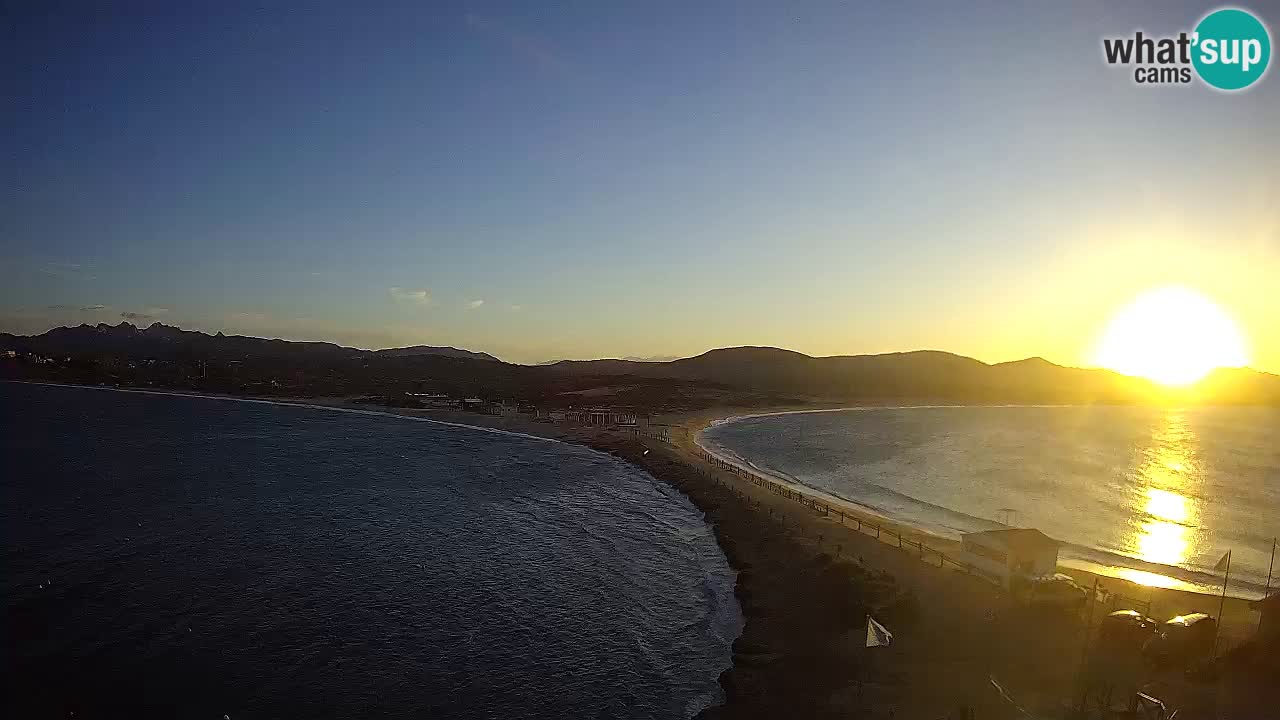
(1116, 659)
(1181, 641)
(1126, 630)
(1058, 591)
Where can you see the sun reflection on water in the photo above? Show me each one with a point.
(1151, 579)
(1165, 507)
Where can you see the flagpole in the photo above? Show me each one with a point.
(1266, 593)
(1272, 566)
(1221, 605)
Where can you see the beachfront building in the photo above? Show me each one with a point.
(595, 416)
(1006, 556)
(605, 416)
(501, 408)
(437, 400)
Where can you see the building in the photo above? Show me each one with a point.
(661, 432)
(595, 416)
(1006, 556)
(607, 416)
(500, 408)
(433, 399)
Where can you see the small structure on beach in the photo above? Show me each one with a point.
(1010, 555)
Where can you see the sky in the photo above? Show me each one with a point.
(587, 179)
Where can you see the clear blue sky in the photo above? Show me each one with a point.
(655, 180)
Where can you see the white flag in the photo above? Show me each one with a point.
(1223, 563)
(877, 635)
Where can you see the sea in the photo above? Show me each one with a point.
(1154, 495)
(214, 558)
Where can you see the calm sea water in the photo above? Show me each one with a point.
(1156, 495)
(190, 557)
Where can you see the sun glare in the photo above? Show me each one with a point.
(1172, 335)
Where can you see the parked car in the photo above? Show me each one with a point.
(1125, 631)
(1058, 591)
(1181, 641)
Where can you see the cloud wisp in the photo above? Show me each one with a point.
(81, 308)
(148, 314)
(405, 295)
(475, 304)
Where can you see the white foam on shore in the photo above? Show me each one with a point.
(309, 406)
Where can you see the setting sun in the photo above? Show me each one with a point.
(1172, 335)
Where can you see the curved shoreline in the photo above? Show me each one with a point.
(852, 506)
(806, 584)
(782, 615)
(1082, 558)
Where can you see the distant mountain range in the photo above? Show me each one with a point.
(758, 372)
(929, 375)
(629, 358)
(434, 350)
(161, 341)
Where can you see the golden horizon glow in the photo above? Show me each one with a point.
(1172, 335)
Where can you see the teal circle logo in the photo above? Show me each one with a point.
(1231, 49)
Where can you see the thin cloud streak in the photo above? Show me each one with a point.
(419, 297)
(80, 308)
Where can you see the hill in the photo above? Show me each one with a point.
(930, 376)
(165, 341)
(169, 356)
(433, 350)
